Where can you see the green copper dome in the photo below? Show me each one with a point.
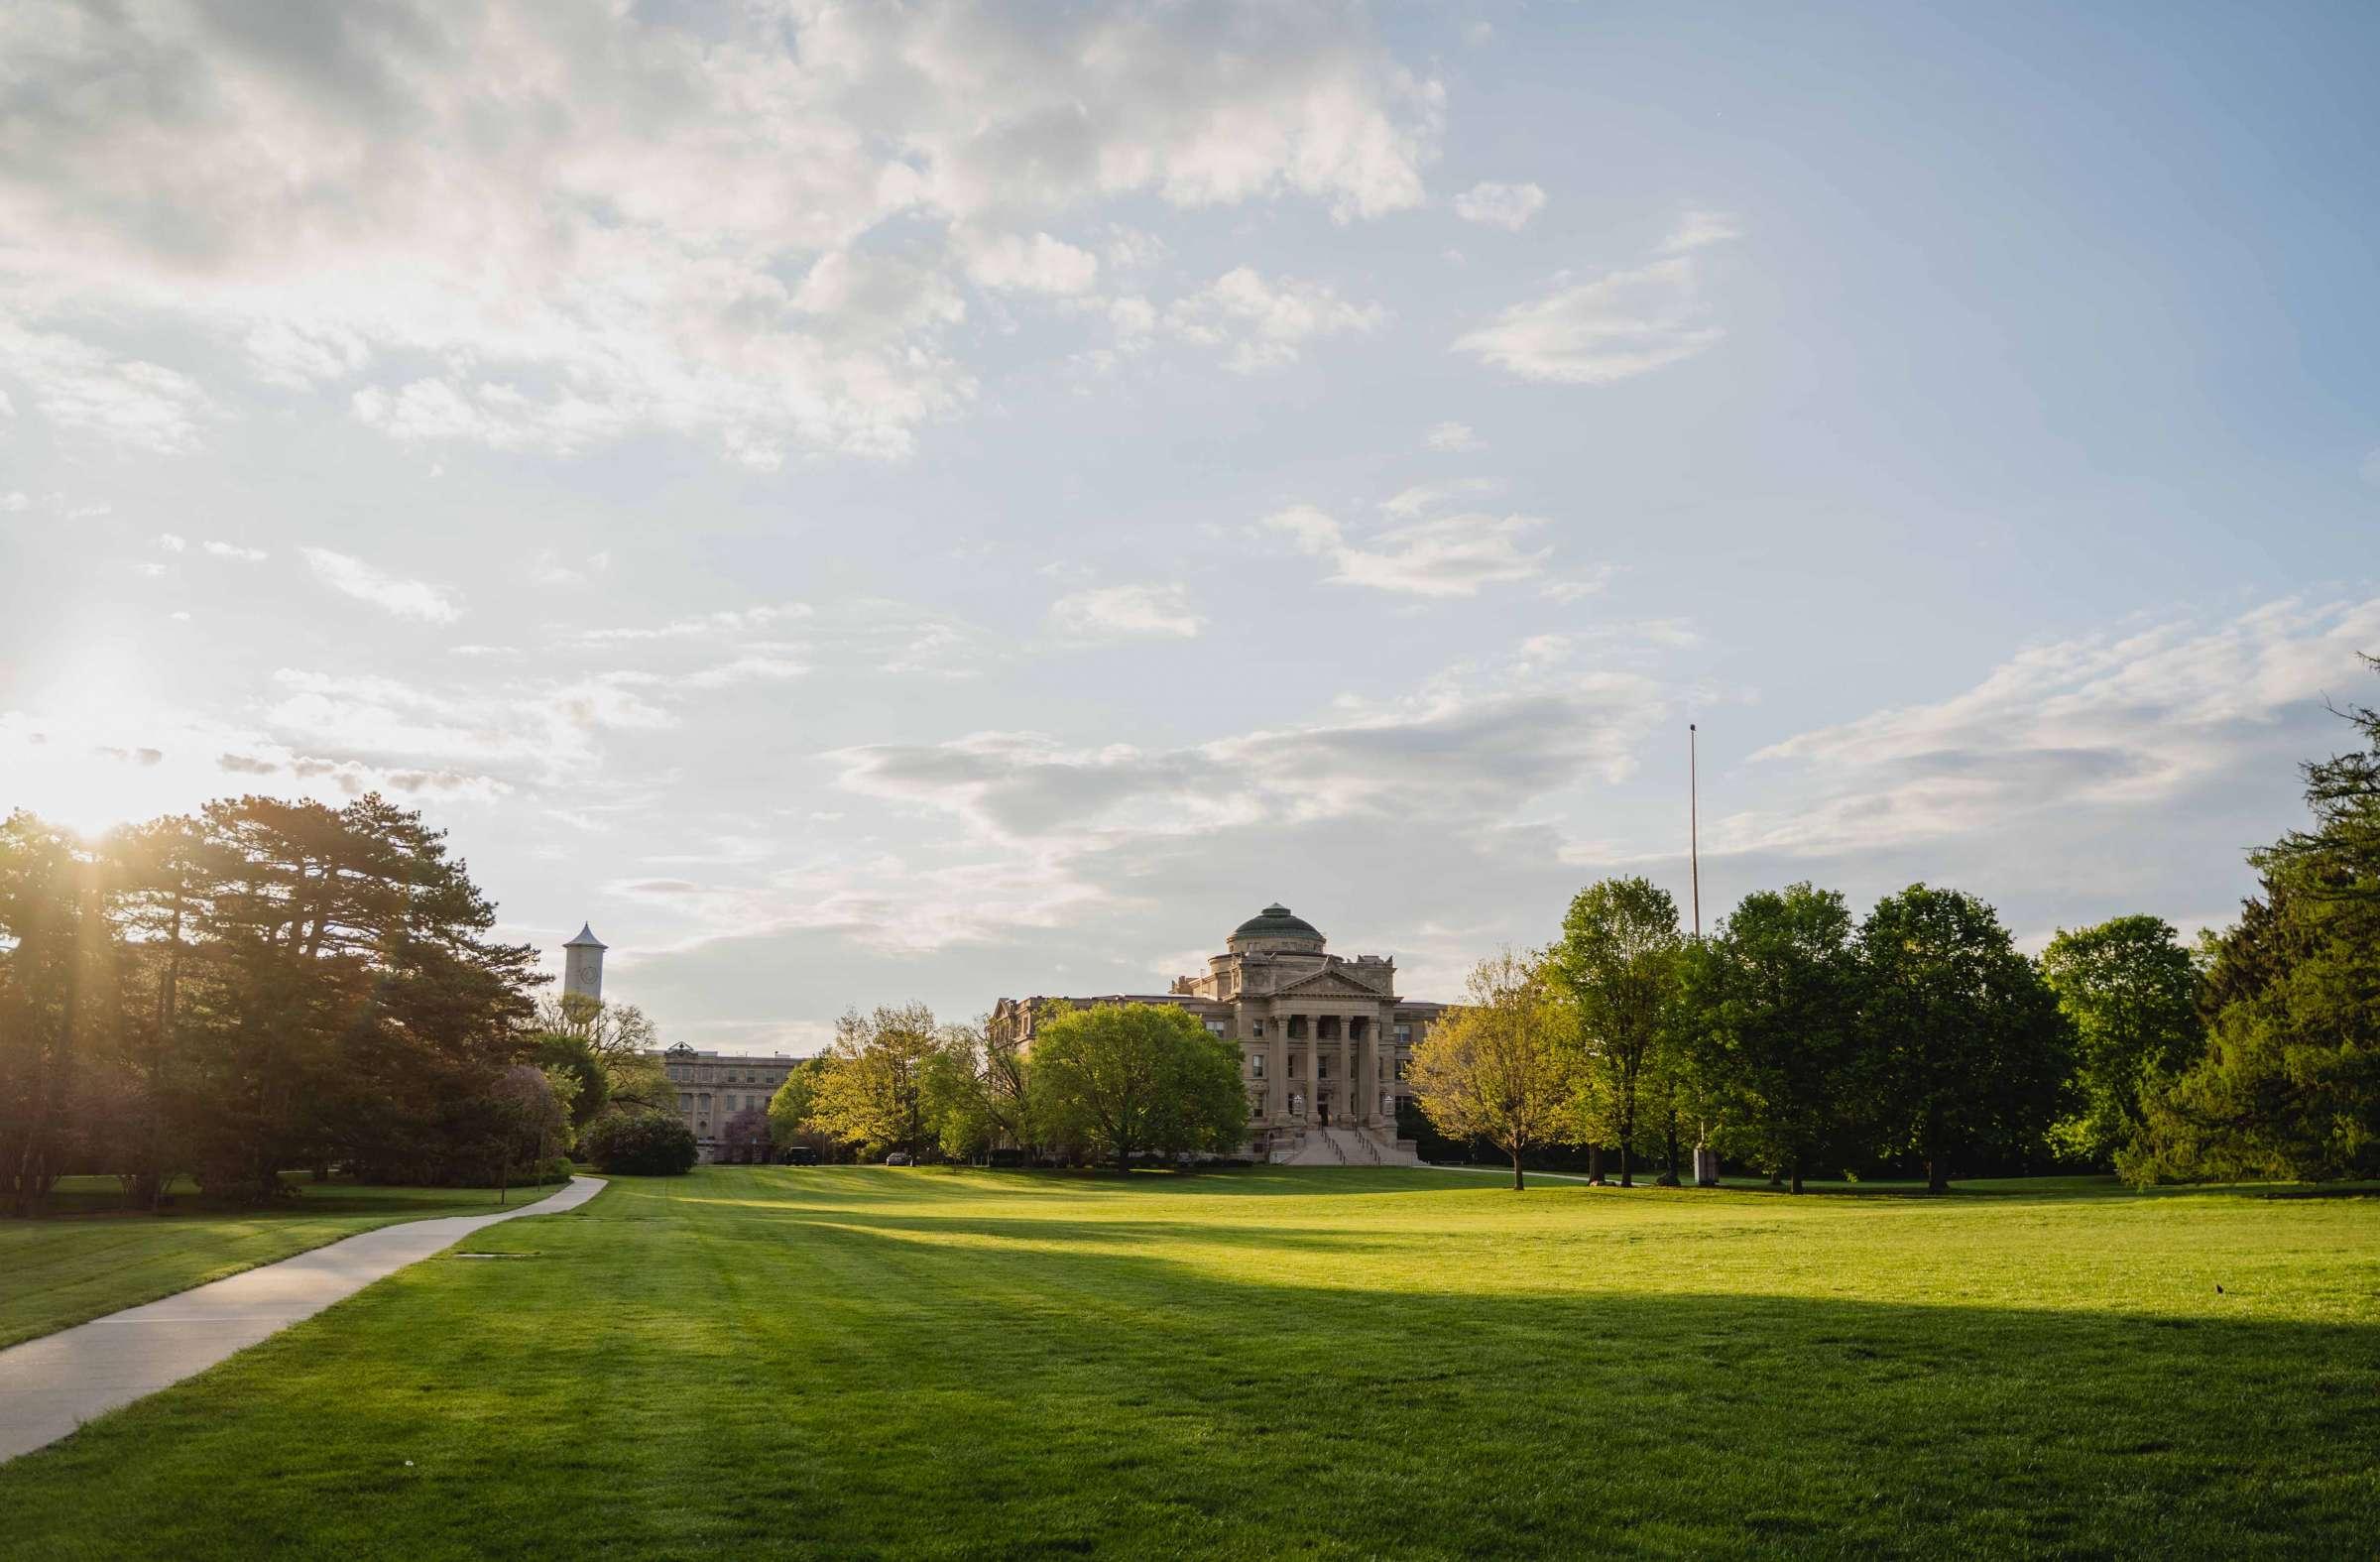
(1276, 921)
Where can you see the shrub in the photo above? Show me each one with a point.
(642, 1144)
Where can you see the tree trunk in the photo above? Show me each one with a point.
(1594, 1165)
(1797, 1177)
(1516, 1182)
(1628, 1140)
(1938, 1175)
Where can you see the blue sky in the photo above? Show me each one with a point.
(865, 503)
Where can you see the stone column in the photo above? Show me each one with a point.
(1276, 1043)
(1347, 1099)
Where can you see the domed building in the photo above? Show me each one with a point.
(1323, 1040)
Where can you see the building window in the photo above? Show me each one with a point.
(1215, 1028)
(1255, 1065)
(1322, 1068)
(1260, 1030)
(685, 1101)
(1400, 1069)
(1404, 1035)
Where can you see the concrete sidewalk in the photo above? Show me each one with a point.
(50, 1386)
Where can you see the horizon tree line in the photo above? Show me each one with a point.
(1800, 1042)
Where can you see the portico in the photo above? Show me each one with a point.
(1323, 1040)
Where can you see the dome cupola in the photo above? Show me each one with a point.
(1277, 928)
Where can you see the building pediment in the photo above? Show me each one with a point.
(1329, 983)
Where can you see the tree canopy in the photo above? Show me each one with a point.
(267, 984)
(1502, 1065)
(1773, 1002)
(1972, 1050)
(1122, 1079)
(1618, 962)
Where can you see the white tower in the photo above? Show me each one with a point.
(582, 965)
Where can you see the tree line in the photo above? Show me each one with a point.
(273, 985)
(1804, 1042)
(1107, 1082)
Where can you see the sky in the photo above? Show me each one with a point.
(866, 503)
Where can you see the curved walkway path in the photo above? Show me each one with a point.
(50, 1386)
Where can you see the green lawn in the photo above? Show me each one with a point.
(847, 1362)
(92, 1258)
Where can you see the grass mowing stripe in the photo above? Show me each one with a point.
(847, 1362)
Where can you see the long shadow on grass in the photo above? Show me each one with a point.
(1371, 1420)
(862, 1391)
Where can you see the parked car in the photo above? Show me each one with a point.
(901, 1158)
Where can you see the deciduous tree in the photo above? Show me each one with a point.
(871, 1089)
(1503, 1065)
(1971, 1048)
(1772, 1003)
(1120, 1079)
(2129, 987)
(1618, 962)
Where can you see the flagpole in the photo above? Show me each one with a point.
(1693, 827)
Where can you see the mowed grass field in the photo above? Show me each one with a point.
(91, 1257)
(872, 1362)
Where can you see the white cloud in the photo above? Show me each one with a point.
(1452, 436)
(1507, 206)
(249, 555)
(1699, 229)
(548, 569)
(727, 621)
(1259, 324)
(1619, 325)
(753, 668)
(14, 502)
(1111, 613)
(1444, 556)
(1412, 502)
(414, 599)
(544, 729)
(1453, 766)
(1013, 264)
(170, 544)
(2080, 729)
(542, 228)
(85, 389)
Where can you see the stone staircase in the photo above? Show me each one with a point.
(1348, 1147)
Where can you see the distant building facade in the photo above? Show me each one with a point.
(1325, 1042)
(712, 1087)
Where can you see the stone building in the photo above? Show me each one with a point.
(1324, 1041)
(713, 1087)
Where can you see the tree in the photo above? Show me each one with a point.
(60, 959)
(975, 1094)
(2129, 989)
(744, 1138)
(569, 1058)
(1972, 1049)
(870, 1090)
(269, 984)
(1772, 1003)
(1502, 1066)
(2290, 1082)
(1120, 1079)
(1618, 962)
(641, 1144)
(622, 1043)
(527, 1121)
